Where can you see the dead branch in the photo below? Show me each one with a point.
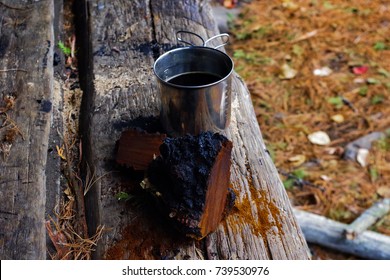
(368, 218)
(328, 233)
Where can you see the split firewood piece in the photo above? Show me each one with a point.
(191, 178)
(138, 148)
(367, 219)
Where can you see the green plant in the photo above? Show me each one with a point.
(340, 214)
(328, 5)
(384, 72)
(373, 81)
(252, 58)
(123, 196)
(383, 143)
(374, 174)
(363, 90)
(380, 46)
(297, 50)
(299, 173)
(288, 183)
(66, 50)
(230, 20)
(376, 99)
(336, 101)
(294, 178)
(239, 54)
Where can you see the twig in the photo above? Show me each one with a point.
(13, 123)
(58, 239)
(90, 180)
(300, 182)
(367, 219)
(305, 36)
(349, 104)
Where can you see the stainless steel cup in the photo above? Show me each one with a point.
(199, 104)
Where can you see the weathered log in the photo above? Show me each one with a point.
(138, 148)
(328, 233)
(26, 64)
(124, 39)
(367, 218)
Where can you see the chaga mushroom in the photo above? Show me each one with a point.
(192, 177)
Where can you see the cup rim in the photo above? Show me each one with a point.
(189, 48)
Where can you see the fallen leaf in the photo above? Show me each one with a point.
(229, 4)
(290, 5)
(319, 138)
(362, 156)
(384, 191)
(360, 70)
(297, 159)
(59, 240)
(60, 152)
(337, 118)
(325, 178)
(338, 151)
(287, 72)
(322, 72)
(359, 81)
(372, 81)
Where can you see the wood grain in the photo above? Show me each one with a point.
(125, 38)
(26, 42)
(136, 149)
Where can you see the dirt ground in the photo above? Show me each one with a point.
(321, 66)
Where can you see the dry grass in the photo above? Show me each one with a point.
(68, 230)
(308, 35)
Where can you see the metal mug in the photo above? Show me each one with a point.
(195, 88)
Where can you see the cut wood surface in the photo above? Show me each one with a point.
(26, 76)
(124, 39)
(328, 233)
(137, 149)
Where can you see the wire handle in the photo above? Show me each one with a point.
(225, 40)
(186, 42)
(224, 36)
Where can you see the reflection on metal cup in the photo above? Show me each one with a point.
(195, 89)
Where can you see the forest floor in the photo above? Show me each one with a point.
(321, 66)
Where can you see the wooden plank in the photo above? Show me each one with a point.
(328, 233)
(123, 38)
(26, 44)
